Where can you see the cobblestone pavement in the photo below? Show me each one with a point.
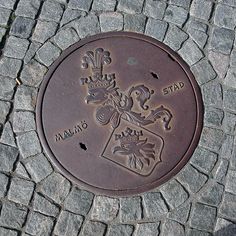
(36, 200)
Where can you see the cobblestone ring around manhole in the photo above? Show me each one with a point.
(119, 113)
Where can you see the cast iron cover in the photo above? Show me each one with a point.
(119, 113)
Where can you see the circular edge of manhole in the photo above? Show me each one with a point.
(149, 186)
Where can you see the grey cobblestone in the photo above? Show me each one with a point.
(21, 171)
(229, 100)
(195, 232)
(66, 38)
(230, 185)
(229, 123)
(154, 205)
(7, 232)
(4, 16)
(38, 224)
(181, 214)
(227, 147)
(12, 215)
(83, 5)
(203, 217)
(28, 144)
(7, 136)
(174, 194)
(130, 209)
(120, 230)
(156, 29)
(44, 206)
(224, 227)
(51, 11)
(92, 228)
(44, 30)
(181, 3)
(176, 15)
(48, 53)
(8, 156)
(22, 27)
(104, 5)
(230, 79)
(7, 4)
(190, 52)
(38, 167)
(2, 33)
(68, 224)
(7, 86)
(201, 9)
(221, 171)
(23, 121)
(27, 8)
(70, 15)
(134, 23)
(4, 108)
(172, 228)
(154, 9)
(105, 208)
(79, 201)
(150, 229)
(130, 6)
(3, 184)
(228, 206)
(111, 21)
(213, 116)
(233, 58)
(192, 179)
(21, 191)
(56, 187)
(33, 48)
(10, 67)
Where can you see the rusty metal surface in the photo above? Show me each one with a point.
(119, 113)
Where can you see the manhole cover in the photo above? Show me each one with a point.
(119, 113)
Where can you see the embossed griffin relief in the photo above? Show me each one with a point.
(115, 108)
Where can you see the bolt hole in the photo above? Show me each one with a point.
(154, 75)
(83, 146)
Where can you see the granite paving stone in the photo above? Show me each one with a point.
(204, 159)
(212, 195)
(135, 23)
(233, 58)
(228, 2)
(181, 3)
(230, 79)
(42, 205)
(3, 184)
(195, 232)
(66, 38)
(156, 29)
(221, 171)
(221, 40)
(111, 21)
(228, 206)
(92, 228)
(12, 215)
(203, 71)
(28, 8)
(229, 123)
(224, 227)
(70, 15)
(51, 11)
(150, 229)
(180, 214)
(225, 16)
(130, 209)
(201, 9)
(79, 201)
(83, 5)
(154, 205)
(227, 147)
(25, 98)
(10, 67)
(68, 224)
(4, 16)
(172, 228)
(175, 37)
(28, 144)
(230, 185)
(21, 171)
(48, 53)
(7, 232)
(8, 156)
(33, 73)
(213, 116)
(44, 30)
(22, 27)
(130, 6)
(33, 48)
(229, 100)
(7, 4)
(38, 167)
(7, 86)
(120, 230)
(203, 217)
(7, 136)
(105, 208)
(176, 15)
(190, 52)
(56, 187)
(2, 33)
(154, 9)
(4, 108)
(21, 191)
(104, 5)
(192, 179)
(38, 224)
(87, 26)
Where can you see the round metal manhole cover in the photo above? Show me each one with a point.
(119, 113)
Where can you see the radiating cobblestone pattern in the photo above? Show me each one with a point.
(36, 200)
